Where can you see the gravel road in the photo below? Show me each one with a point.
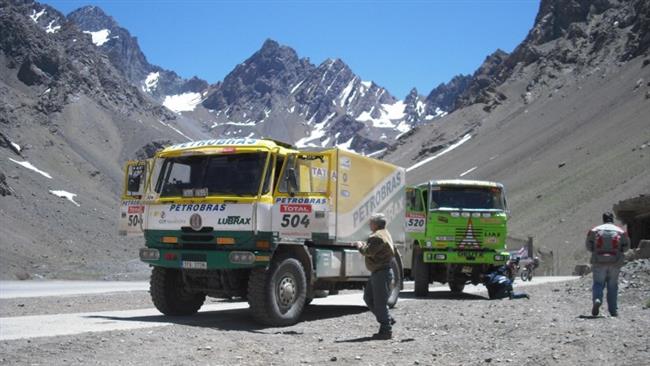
(552, 328)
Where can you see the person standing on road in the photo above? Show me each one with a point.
(607, 244)
(378, 251)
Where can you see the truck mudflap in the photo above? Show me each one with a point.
(468, 257)
(206, 260)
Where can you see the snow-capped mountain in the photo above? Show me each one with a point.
(125, 54)
(275, 93)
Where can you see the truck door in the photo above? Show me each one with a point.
(132, 207)
(301, 207)
(415, 222)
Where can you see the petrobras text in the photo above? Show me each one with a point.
(198, 207)
(377, 198)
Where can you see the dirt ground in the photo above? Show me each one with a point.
(554, 327)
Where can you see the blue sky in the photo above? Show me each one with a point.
(397, 44)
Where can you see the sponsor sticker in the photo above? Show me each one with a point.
(346, 163)
(295, 208)
(136, 209)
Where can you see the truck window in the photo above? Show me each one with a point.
(278, 169)
(190, 176)
(310, 172)
(486, 198)
(414, 200)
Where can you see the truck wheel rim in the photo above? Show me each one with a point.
(287, 291)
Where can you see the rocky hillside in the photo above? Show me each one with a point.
(68, 121)
(562, 121)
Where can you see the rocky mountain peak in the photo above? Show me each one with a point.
(93, 18)
(123, 51)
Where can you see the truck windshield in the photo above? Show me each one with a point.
(191, 176)
(481, 198)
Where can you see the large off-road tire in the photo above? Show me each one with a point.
(277, 295)
(421, 274)
(169, 295)
(396, 284)
(456, 286)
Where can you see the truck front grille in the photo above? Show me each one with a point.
(197, 237)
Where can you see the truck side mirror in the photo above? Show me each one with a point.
(292, 181)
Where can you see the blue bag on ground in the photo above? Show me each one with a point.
(499, 286)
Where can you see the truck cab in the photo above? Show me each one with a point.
(457, 232)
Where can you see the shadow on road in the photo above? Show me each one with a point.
(590, 317)
(239, 319)
(442, 295)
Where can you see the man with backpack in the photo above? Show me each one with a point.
(607, 244)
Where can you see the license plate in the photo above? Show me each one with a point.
(195, 265)
(470, 254)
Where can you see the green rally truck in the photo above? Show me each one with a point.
(456, 232)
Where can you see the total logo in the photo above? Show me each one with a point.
(296, 208)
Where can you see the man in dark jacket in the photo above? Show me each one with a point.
(379, 251)
(607, 244)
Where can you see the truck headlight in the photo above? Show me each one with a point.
(148, 254)
(242, 257)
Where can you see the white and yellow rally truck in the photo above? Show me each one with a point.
(257, 219)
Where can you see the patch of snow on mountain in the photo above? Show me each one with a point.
(36, 15)
(378, 152)
(28, 165)
(175, 130)
(67, 195)
(443, 152)
(151, 82)
(99, 37)
(296, 87)
(16, 146)
(316, 133)
(419, 107)
(182, 102)
(467, 171)
(346, 92)
(325, 142)
(51, 29)
(346, 145)
(389, 113)
(403, 127)
(438, 113)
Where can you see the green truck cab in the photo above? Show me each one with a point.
(456, 232)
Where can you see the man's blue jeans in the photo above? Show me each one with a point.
(606, 275)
